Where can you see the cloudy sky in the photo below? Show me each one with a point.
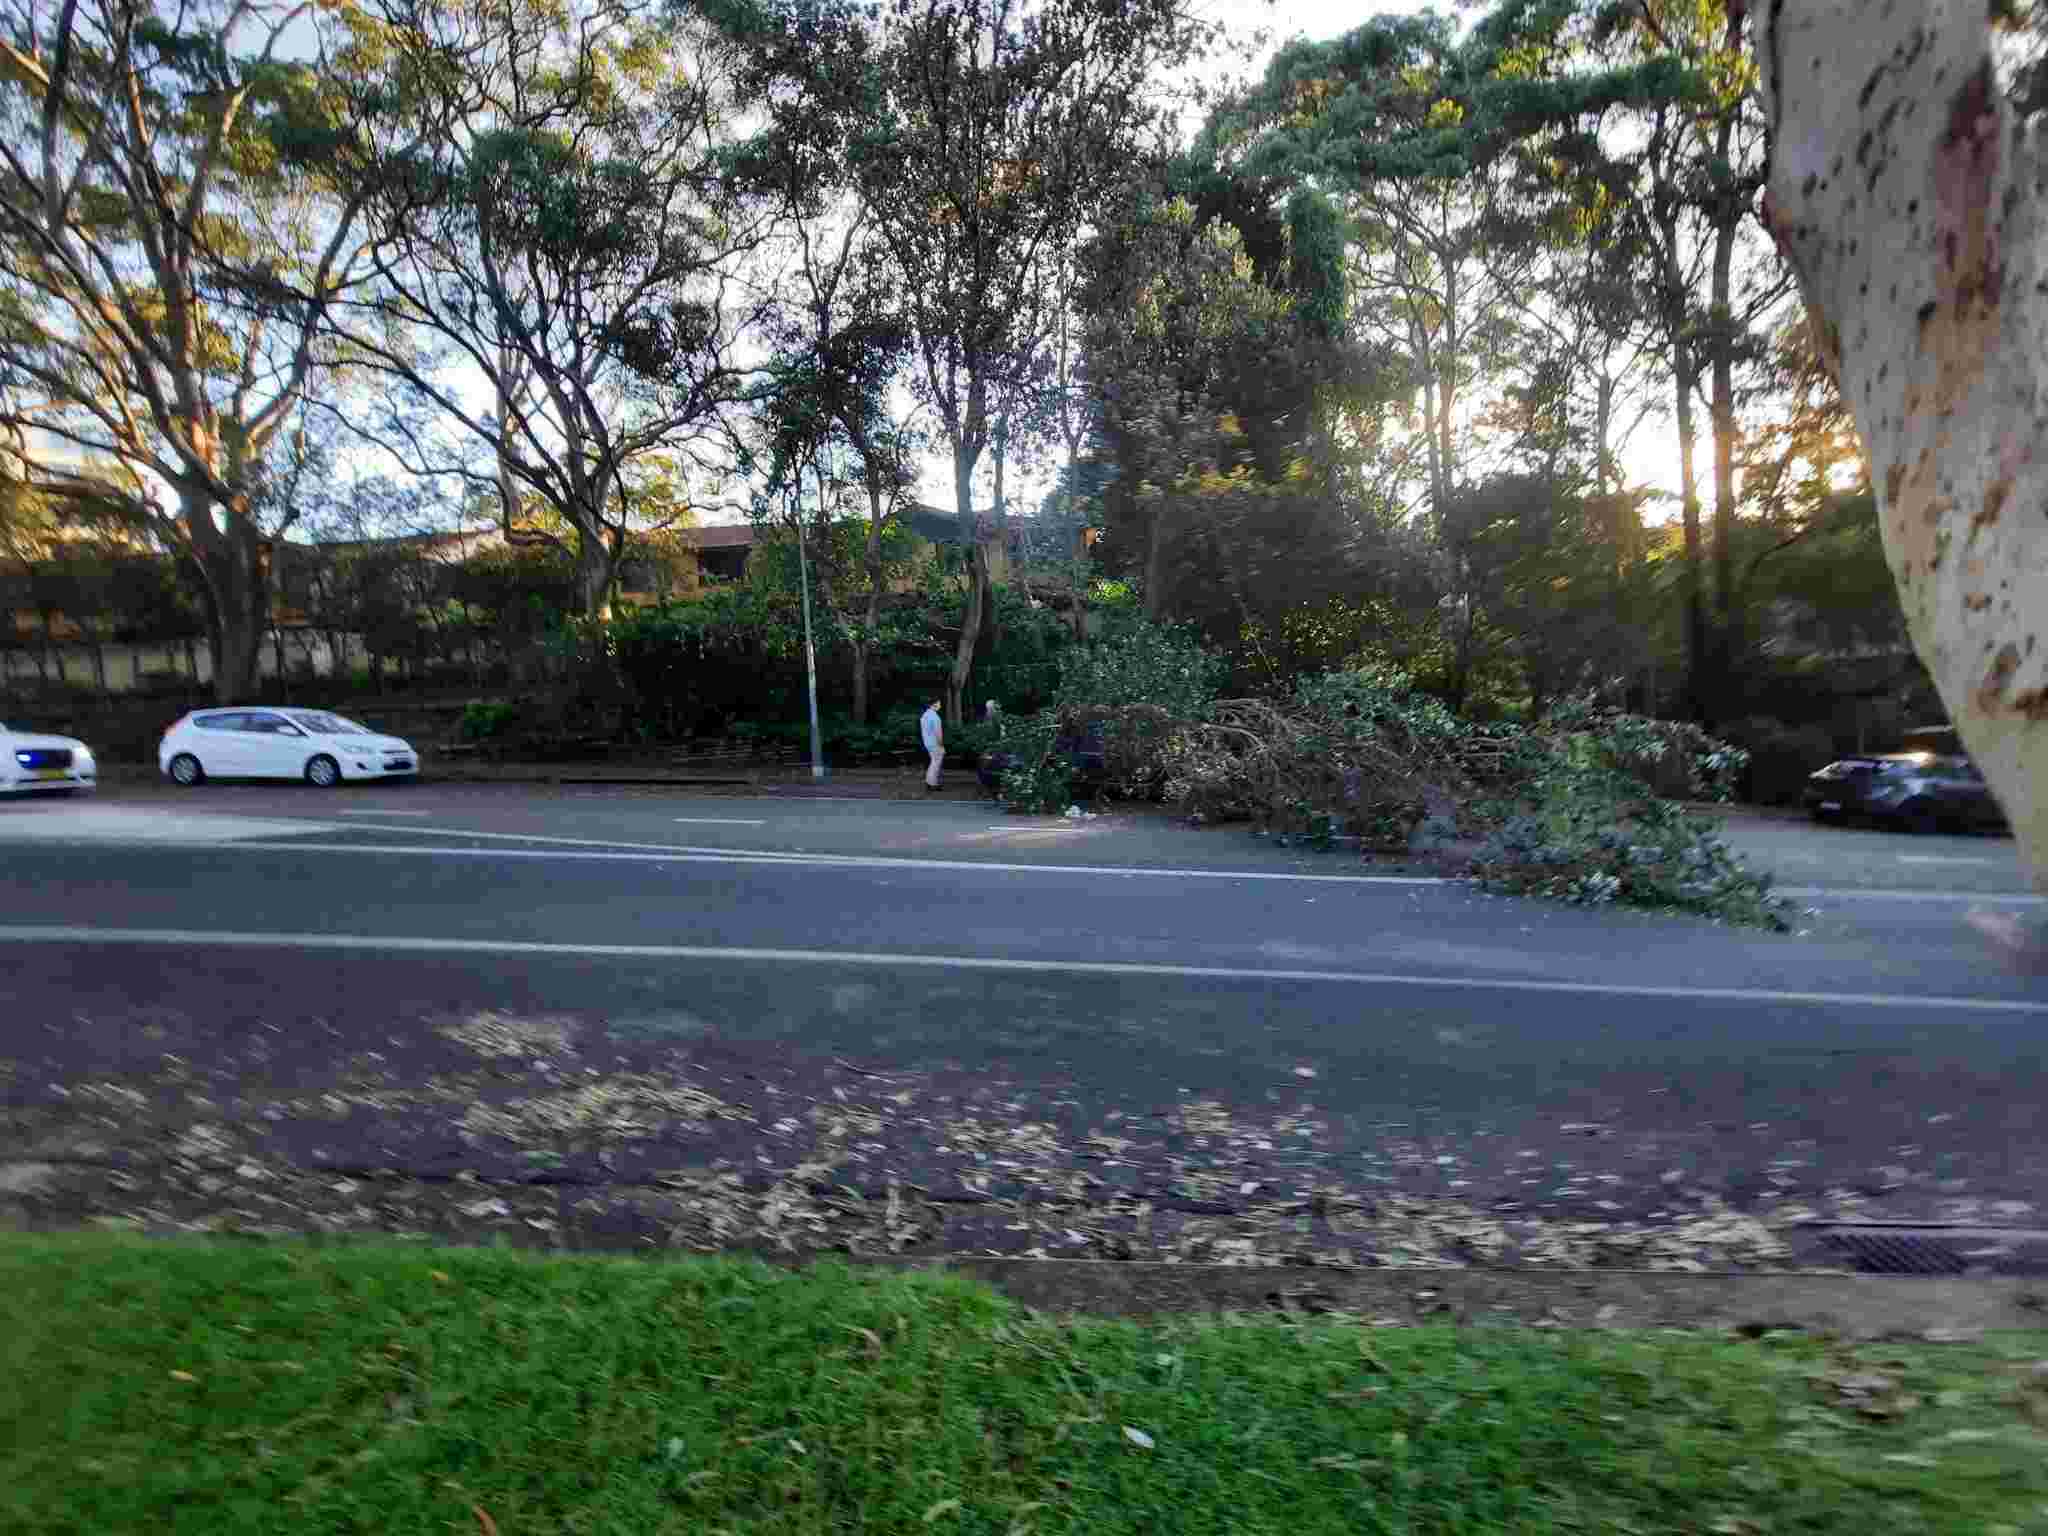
(1650, 457)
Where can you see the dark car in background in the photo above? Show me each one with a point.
(1917, 791)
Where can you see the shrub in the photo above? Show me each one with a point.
(1568, 809)
(1780, 757)
(484, 719)
(1580, 819)
(1035, 779)
(1141, 663)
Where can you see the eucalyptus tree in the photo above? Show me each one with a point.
(981, 137)
(169, 267)
(557, 256)
(1907, 192)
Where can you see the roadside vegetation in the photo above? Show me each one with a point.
(1586, 804)
(232, 1389)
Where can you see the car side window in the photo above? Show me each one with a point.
(219, 722)
(270, 725)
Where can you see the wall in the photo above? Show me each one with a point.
(133, 667)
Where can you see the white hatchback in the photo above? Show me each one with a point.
(310, 744)
(30, 762)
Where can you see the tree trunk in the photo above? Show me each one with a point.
(965, 458)
(235, 644)
(991, 633)
(1439, 493)
(237, 588)
(593, 577)
(1910, 203)
(1694, 577)
(1728, 218)
(871, 620)
(1155, 561)
(1447, 376)
(970, 631)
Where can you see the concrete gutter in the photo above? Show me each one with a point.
(1850, 1306)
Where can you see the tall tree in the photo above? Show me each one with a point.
(165, 275)
(1416, 126)
(1700, 169)
(980, 136)
(1191, 357)
(841, 340)
(550, 214)
(829, 425)
(1909, 199)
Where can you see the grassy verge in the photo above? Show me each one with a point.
(230, 1389)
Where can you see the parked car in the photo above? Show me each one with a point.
(1919, 791)
(1087, 758)
(31, 762)
(323, 749)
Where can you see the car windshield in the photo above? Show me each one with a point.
(321, 724)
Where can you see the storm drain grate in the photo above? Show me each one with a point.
(1879, 1250)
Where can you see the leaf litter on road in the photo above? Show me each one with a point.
(797, 1156)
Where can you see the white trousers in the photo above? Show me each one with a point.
(931, 774)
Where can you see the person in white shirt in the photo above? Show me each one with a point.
(934, 732)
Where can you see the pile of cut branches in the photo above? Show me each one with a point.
(1570, 807)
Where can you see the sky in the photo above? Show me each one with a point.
(1650, 456)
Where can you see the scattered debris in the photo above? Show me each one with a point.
(507, 1036)
(626, 1105)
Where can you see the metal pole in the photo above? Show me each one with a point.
(803, 566)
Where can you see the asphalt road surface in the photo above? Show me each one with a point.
(649, 1019)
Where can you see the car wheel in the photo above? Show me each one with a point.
(1919, 818)
(186, 772)
(323, 772)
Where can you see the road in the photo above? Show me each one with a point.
(649, 1019)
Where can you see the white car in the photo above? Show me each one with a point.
(310, 744)
(31, 762)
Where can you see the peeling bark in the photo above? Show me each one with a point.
(1908, 199)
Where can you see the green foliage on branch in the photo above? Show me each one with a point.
(1580, 819)
(1142, 663)
(1127, 691)
(1036, 780)
(1577, 807)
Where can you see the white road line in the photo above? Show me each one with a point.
(656, 853)
(194, 938)
(1859, 893)
(383, 813)
(1937, 858)
(719, 821)
(1075, 828)
(261, 834)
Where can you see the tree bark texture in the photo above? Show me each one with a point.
(966, 455)
(1908, 198)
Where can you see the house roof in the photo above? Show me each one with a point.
(940, 525)
(435, 540)
(718, 536)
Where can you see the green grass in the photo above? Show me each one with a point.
(228, 1389)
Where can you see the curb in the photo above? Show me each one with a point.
(1934, 1308)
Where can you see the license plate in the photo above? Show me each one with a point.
(1831, 805)
(51, 773)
